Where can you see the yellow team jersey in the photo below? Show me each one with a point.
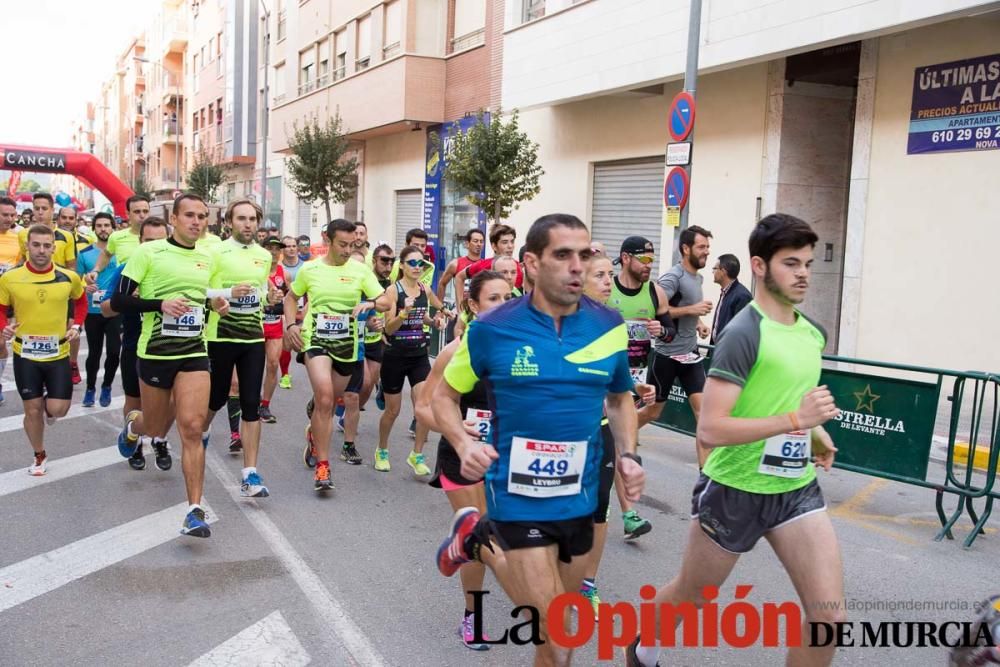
(65, 247)
(41, 302)
(9, 250)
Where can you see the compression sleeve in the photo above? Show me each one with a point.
(124, 299)
(80, 310)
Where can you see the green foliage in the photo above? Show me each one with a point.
(317, 169)
(140, 185)
(496, 164)
(205, 176)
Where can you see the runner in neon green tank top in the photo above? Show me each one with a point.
(761, 421)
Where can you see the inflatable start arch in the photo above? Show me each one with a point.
(84, 166)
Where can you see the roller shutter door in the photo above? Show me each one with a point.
(628, 200)
(409, 205)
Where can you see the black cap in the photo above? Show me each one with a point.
(273, 240)
(635, 245)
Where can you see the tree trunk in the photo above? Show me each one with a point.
(326, 205)
(496, 213)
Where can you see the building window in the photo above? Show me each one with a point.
(307, 70)
(211, 49)
(470, 24)
(282, 30)
(364, 43)
(194, 71)
(323, 71)
(533, 9)
(279, 83)
(392, 29)
(340, 51)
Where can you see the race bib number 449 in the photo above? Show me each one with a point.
(544, 469)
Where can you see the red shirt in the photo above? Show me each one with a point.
(487, 265)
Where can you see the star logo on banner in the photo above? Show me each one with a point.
(866, 399)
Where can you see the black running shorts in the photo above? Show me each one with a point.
(39, 379)
(161, 373)
(607, 476)
(574, 537)
(397, 370)
(664, 370)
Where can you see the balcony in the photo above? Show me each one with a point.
(468, 41)
(378, 100)
(169, 177)
(174, 36)
(172, 132)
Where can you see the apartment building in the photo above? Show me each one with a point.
(827, 110)
(118, 116)
(402, 74)
(163, 141)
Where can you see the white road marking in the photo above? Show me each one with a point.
(58, 469)
(46, 572)
(331, 613)
(16, 422)
(269, 641)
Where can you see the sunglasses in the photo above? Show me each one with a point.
(642, 259)
(386, 260)
(414, 263)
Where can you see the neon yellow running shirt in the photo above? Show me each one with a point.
(234, 264)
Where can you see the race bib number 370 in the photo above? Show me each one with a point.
(543, 469)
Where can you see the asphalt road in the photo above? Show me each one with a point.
(93, 571)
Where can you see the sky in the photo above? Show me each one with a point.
(57, 53)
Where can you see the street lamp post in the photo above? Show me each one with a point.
(177, 103)
(264, 130)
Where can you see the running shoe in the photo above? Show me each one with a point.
(235, 443)
(105, 399)
(195, 524)
(380, 398)
(468, 632)
(631, 660)
(309, 455)
(451, 554)
(163, 460)
(310, 406)
(75, 374)
(137, 461)
(323, 481)
(635, 526)
(37, 468)
(590, 592)
(127, 445)
(339, 424)
(285, 382)
(266, 416)
(413, 428)
(88, 398)
(382, 459)
(205, 437)
(416, 461)
(350, 455)
(252, 487)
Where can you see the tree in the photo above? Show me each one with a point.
(495, 163)
(29, 185)
(205, 176)
(140, 185)
(317, 169)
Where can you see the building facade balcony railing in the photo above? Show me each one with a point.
(307, 87)
(469, 40)
(390, 50)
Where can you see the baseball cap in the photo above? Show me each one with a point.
(273, 240)
(635, 245)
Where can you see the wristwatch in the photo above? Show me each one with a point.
(630, 455)
(293, 324)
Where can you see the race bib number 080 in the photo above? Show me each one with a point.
(244, 305)
(543, 469)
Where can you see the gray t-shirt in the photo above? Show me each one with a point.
(689, 285)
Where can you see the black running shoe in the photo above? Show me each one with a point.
(137, 461)
(266, 416)
(235, 444)
(350, 454)
(309, 454)
(310, 406)
(163, 460)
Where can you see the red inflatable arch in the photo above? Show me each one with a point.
(84, 166)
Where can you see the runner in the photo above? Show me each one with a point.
(273, 329)
(361, 242)
(9, 251)
(123, 242)
(334, 286)
(383, 261)
(304, 247)
(598, 287)
(133, 437)
(486, 291)
(172, 279)
(417, 238)
(763, 413)
(290, 264)
(64, 254)
(565, 354)
(239, 274)
(102, 332)
(677, 358)
(506, 267)
(405, 357)
(41, 294)
(474, 241)
(502, 239)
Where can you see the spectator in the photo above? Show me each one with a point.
(734, 295)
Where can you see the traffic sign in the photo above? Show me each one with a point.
(680, 120)
(676, 187)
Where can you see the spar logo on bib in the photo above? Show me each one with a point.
(523, 366)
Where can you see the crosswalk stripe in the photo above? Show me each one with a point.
(269, 641)
(58, 469)
(46, 572)
(16, 422)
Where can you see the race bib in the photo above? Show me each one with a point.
(272, 318)
(188, 325)
(99, 295)
(39, 348)
(333, 327)
(689, 358)
(639, 342)
(785, 455)
(638, 374)
(542, 469)
(245, 305)
(481, 420)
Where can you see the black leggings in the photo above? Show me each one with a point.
(248, 359)
(102, 332)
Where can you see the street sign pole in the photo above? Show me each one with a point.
(690, 85)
